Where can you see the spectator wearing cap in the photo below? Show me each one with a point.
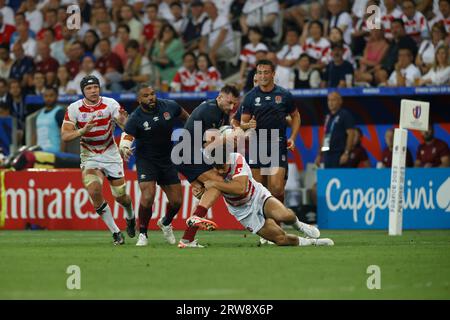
(358, 157)
(286, 59)
(427, 49)
(137, 69)
(193, 31)
(338, 73)
(305, 77)
(262, 14)
(208, 77)
(433, 152)
(45, 63)
(23, 65)
(6, 30)
(87, 68)
(405, 73)
(5, 62)
(167, 53)
(217, 35)
(128, 17)
(248, 53)
(75, 53)
(439, 74)
(386, 155)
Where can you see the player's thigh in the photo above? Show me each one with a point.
(276, 180)
(274, 209)
(174, 193)
(271, 231)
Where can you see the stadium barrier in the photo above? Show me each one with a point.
(56, 200)
(359, 198)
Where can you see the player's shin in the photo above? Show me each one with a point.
(144, 218)
(170, 214)
(105, 212)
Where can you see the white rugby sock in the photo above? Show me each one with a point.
(304, 242)
(105, 212)
(129, 211)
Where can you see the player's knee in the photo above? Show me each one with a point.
(147, 200)
(124, 200)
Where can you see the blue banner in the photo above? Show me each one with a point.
(359, 198)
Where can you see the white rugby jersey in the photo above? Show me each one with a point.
(416, 27)
(98, 144)
(316, 50)
(239, 167)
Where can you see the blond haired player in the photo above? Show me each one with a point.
(92, 119)
(255, 207)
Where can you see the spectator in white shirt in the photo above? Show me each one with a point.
(316, 46)
(128, 18)
(29, 44)
(32, 14)
(248, 53)
(426, 54)
(406, 73)
(179, 22)
(442, 15)
(286, 58)
(416, 24)
(262, 14)
(439, 74)
(8, 13)
(217, 35)
(341, 19)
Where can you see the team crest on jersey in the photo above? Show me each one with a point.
(267, 98)
(84, 115)
(99, 114)
(166, 115)
(278, 99)
(146, 126)
(257, 101)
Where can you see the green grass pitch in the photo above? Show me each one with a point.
(33, 265)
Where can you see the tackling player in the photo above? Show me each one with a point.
(210, 114)
(92, 120)
(255, 207)
(151, 125)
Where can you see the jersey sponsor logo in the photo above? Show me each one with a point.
(166, 115)
(146, 126)
(278, 99)
(257, 101)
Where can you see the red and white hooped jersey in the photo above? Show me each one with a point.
(210, 81)
(239, 167)
(184, 80)
(415, 26)
(317, 50)
(98, 144)
(387, 19)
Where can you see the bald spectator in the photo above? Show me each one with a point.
(23, 65)
(46, 64)
(338, 134)
(433, 152)
(87, 68)
(217, 35)
(386, 155)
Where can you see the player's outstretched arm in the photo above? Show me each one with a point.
(236, 186)
(122, 118)
(69, 132)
